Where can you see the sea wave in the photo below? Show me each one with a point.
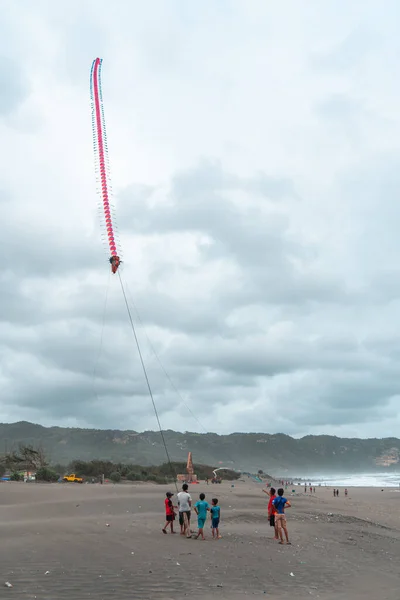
(382, 480)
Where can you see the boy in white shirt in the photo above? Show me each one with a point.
(185, 507)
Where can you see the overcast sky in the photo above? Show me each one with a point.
(255, 157)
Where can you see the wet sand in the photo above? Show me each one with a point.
(74, 541)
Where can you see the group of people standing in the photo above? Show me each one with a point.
(276, 514)
(184, 508)
(336, 493)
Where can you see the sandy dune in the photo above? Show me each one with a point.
(55, 544)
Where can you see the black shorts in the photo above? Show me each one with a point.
(272, 520)
(186, 512)
(170, 518)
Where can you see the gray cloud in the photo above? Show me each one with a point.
(258, 219)
(273, 264)
(13, 85)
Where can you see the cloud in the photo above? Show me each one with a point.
(354, 51)
(254, 156)
(14, 87)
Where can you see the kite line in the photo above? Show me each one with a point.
(164, 370)
(102, 167)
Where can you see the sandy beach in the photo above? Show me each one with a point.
(71, 541)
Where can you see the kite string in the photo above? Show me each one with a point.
(161, 364)
(147, 381)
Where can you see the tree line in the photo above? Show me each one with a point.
(29, 458)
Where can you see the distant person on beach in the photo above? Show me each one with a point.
(337, 492)
(334, 493)
(280, 503)
(201, 507)
(215, 511)
(185, 507)
(169, 513)
(345, 492)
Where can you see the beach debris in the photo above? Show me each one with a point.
(47, 573)
(107, 524)
(291, 574)
(179, 564)
(8, 584)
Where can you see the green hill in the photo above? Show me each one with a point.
(276, 453)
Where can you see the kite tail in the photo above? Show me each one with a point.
(101, 153)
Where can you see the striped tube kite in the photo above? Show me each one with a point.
(101, 158)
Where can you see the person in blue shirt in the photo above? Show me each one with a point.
(280, 503)
(201, 507)
(215, 511)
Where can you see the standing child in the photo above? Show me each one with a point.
(272, 512)
(201, 507)
(215, 511)
(169, 513)
(185, 507)
(280, 503)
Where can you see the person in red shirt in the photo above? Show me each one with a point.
(272, 510)
(169, 513)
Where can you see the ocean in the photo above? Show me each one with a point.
(381, 480)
